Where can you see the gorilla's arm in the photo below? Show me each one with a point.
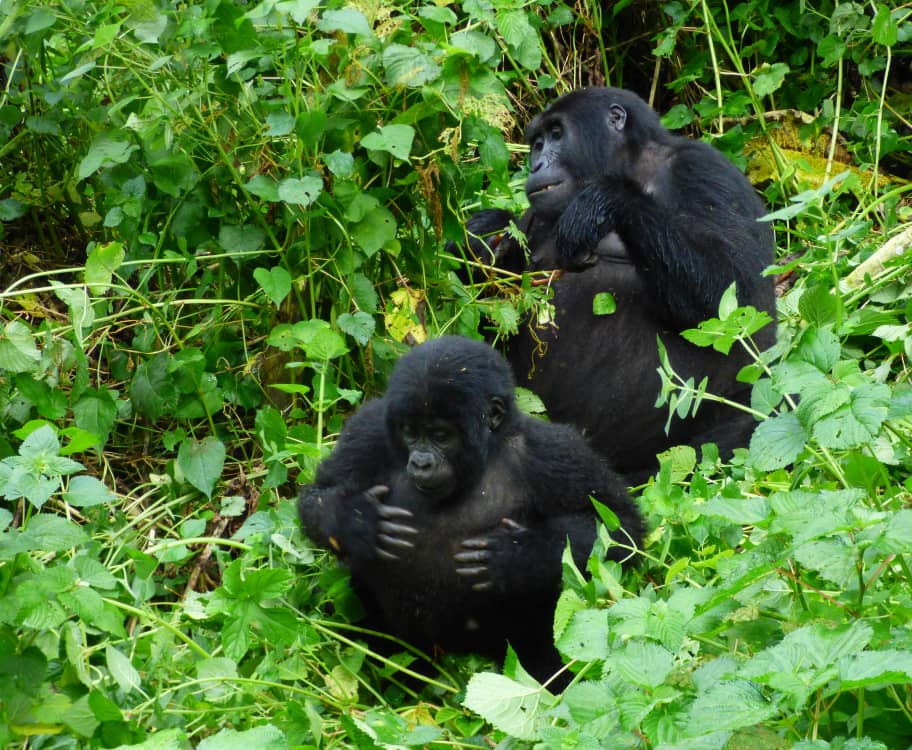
(344, 508)
(562, 473)
(691, 231)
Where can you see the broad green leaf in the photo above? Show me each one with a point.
(201, 462)
(122, 670)
(18, 352)
(360, 326)
(728, 705)
(884, 31)
(105, 151)
(152, 389)
(374, 231)
(408, 66)
(769, 78)
(394, 139)
(777, 442)
(858, 422)
(586, 636)
(818, 305)
(642, 663)
(280, 123)
(241, 239)
(604, 303)
(340, 163)
(474, 42)
(508, 705)
(300, 192)
(95, 413)
(48, 533)
(364, 294)
(166, 739)
(875, 669)
(348, 20)
(521, 37)
(264, 187)
(174, 174)
(275, 281)
(84, 492)
(103, 260)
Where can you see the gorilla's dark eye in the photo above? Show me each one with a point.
(556, 132)
(538, 143)
(408, 431)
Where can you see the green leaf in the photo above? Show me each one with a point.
(264, 187)
(95, 412)
(770, 78)
(360, 326)
(18, 352)
(521, 37)
(47, 533)
(604, 303)
(152, 389)
(475, 43)
(365, 296)
(240, 239)
(857, 423)
(103, 260)
(642, 663)
(276, 282)
(777, 442)
(166, 739)
(106, 151)
(84, 492)
(174, 174)
(818, 305)
(122, 670)
(201, 462)
(528, 402)
(408, 66)
(394, 139)
(348, 21)
(727, 705)
(511, 707)
(876, 669)
(884, 31)
(374, 231)
(301, 192)
(586, 636)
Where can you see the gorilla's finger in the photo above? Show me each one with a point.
(395, 529)
(479, 556)
(477, 570)
(392, 541)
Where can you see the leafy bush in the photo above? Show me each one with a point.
(222, 221)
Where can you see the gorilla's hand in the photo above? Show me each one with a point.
(383, 524)
(592, 214)
(486, 560)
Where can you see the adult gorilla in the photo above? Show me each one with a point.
(452, 508)
(665, 224)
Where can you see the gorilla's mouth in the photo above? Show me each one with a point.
(546, 188)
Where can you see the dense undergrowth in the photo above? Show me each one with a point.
(221, 221)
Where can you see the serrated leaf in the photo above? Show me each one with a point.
(47, 533)
(875, 668)
(643, 663)
(409, 66)
(586, 636)
(523, 40)
(275, 282)
(529, 402)
(84, 492)
(360, 326)
(508, 705)
(777, 442)
(884, 30)
(106, 150)
(348, 20)
(201, 462)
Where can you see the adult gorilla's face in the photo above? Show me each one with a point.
(570, 143)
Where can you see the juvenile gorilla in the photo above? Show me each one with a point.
(665, 224)
(452, 508)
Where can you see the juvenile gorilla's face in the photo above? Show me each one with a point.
(434, 446)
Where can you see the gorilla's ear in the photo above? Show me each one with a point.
(496, 413)
(616, 117)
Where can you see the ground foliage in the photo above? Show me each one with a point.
(220, 221)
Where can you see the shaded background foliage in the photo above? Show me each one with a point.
(222, 221)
